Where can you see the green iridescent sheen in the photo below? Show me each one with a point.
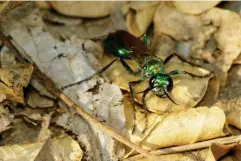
(161, 81)
(145, 39)
(152, 67)
(120, 51)
(124, 53)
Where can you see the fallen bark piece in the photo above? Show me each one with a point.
(83, 9)
(140, 16)
(63, 147)
(195, 7)
(234, 118)
(14, 79)
(178, 128)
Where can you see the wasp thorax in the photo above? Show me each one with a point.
(152, 66)
(160, 83)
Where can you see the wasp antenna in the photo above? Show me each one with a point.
(169, 97)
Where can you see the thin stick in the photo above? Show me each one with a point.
(195, 146)
(50, 85)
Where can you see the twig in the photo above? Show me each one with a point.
(195, 146)
(50, 85)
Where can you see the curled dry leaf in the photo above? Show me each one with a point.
(63, 147)
(177, 128)
(140, 16)
(14, 79)
(83, 9)
(234, 118)
(231, 152)
(185, 92)
(194, 7)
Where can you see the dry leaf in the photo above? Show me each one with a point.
(139, 18)
(185, 93)
(234, 118)
(162, 45)
(213, 39)
(43, 4)
(66, 62)
(5, 118)
(35, 100)
(56, 18)
(212, 93)
(177, 128)
(225, 27)
(195, 7)
(83, 9)
(218, 151)
(21, 132)
(6, 6)
(63, 147)
(14, 79)
(175, 24)
(3, 5)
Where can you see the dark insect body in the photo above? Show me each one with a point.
(125, 46)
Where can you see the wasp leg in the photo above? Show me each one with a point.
(128, 68)
(175, 72)
(178, 56)
(145, 108)
(88, 78)
(169, 97)
(131, 84)
(144, 36)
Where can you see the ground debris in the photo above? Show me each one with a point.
(34, 127)
(66, 62)
(14, 79)
(59, 148)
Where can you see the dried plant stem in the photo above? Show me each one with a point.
(195, 146)
(50, 85)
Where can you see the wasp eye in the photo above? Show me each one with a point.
(169, 86)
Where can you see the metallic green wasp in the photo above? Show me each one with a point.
(125, 46)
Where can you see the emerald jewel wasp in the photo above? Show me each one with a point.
(124, 46)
